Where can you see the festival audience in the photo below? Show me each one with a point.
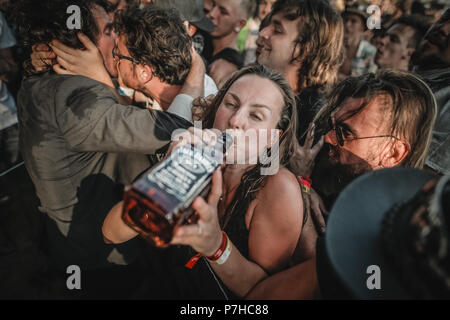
(228, 17)
(101, 104)
(359, 54)
(251, 31)
(303, 41)
(399, 43)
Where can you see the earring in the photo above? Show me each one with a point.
(237, 29)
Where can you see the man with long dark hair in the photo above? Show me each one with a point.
(373, 122)
(304, 42)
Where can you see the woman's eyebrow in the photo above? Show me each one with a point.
(258, 105)
(235, 97)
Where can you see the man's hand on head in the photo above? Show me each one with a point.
(88, 62)
(42, 57)
(302, 161)
(194, 84)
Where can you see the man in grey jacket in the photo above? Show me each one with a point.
(80, 145)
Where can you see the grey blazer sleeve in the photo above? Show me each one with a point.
(90, 119)
(182, 106)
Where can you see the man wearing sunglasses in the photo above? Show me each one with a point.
(373, 122)
(370, 122)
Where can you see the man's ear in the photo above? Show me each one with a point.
(240, 25)
(396, 154)
(191, 29)
(144, 73)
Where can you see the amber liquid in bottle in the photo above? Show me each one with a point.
(161, 199)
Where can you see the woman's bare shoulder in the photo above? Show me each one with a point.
(283, 182)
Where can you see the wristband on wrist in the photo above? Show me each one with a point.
(305, 183)
(222, 255)
(221, 248)
(218, 257)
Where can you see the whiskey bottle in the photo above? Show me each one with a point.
(161, 199)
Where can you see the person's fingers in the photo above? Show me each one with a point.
(44, 63)
(186, 138)
(216, 189)
(59, 70)
(187, 231)
(207, 136)
(210, 137)
(203, 209)
(322, 207)
(41, 47)
(63, 54)
(197, 132)
(60, 46)
(318, 217)
(88, 44)
(297, 148)
(186, 25)
(309, 137)
(38, 62)
(45, 55)
(210, 98)
(315, 150)
(172, 146)
(64, 63)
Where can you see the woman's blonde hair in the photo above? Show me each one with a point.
(252, 181)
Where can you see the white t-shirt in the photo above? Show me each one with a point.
(182, 104)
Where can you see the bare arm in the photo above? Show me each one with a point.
(296, 283)
(114, 229)
(274, 232)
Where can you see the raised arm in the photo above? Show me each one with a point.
(114, 229)
(296, 283)
(90, 119)
(273, 234)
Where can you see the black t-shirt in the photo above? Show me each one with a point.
(309, 102)
(231, 55)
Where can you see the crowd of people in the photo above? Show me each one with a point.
(353, 89)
